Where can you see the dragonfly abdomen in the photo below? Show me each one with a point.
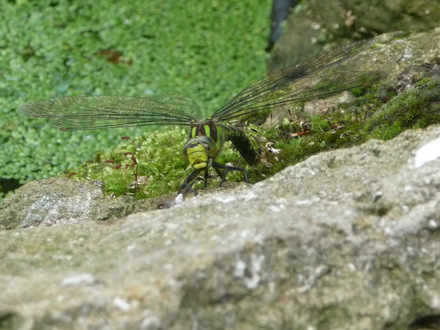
(242, 143)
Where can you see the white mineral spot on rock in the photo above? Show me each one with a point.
(252, 281)
(249, 273)
(432, 224)
(150, 321)
(250, 195)
(408, 53)
(179, 199)
(351, 267)
(121, 304)
(430, 151)
(245, 233)
(276, 208)
(225, 199)
(77, 279)
(131, 248)
(304, 202)
(434, 300)
(240, 267)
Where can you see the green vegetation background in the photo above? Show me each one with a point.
(209, 50)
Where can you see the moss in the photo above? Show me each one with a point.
(140, 166)
(416, 108)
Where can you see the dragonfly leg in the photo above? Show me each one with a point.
(205, 176)
(220, 173)
(227, 168)
(189, 181)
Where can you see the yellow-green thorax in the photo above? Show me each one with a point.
(204, 144)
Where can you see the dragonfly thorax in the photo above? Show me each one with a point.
(204, 128)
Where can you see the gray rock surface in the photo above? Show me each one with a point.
(59, 200)
(347, 239)
(401, 56)
(314, 23)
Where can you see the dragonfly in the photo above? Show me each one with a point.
(305, 81)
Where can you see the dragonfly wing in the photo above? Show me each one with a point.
(312, 86)
(293, 83)
(94, 112)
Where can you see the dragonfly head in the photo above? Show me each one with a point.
(199, 151)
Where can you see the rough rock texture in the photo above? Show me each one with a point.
(59, 200)
(316, 22)
(401, 56)
(348, 239)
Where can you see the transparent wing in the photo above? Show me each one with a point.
(95, 112)
(305, 81)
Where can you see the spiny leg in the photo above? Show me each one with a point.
(220, 173)
(189, 181)
(226, 168)
(205, 176)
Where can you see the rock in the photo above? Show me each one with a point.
(323, 106)
(347, 239)
(401, 57)
(315, 23)
(59, 200)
